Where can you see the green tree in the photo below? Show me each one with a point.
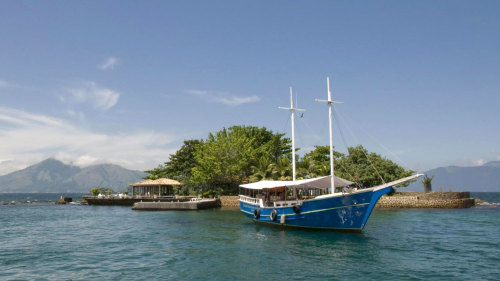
(317, 162)
(360, 166)
(282, 169)
(179, 166)
(368, 169)
(102, 190)
(427, 181)
(263, 170)
(233, 155)
(94, 191)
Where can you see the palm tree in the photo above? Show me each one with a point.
(427, 181)
(306, 168)
(282, 169)
(263, 170)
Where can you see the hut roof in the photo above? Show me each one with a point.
(161, 181)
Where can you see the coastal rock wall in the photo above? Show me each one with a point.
(444, 200)
(436, 195)
(229, 201)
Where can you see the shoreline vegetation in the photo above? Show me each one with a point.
(217, 165)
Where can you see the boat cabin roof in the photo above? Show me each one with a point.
(317, 183)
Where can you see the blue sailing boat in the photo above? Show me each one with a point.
(312, 203)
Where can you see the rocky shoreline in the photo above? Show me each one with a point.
(435, 200)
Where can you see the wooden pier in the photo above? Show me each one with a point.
(130, 200)
(194, 204)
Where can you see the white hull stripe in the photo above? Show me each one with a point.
(309, 212)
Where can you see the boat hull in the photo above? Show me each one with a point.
(347, 212)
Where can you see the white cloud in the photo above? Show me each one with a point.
(109, 63)
(467, 162)
(7, 84)
(22, 118)
(223, 98)
(200, 93)
(8, 166)
(89, 92)
(237, 100)
(28, 138)
(4, 84)
(479, 162)
(76, 114)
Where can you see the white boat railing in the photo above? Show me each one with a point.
(249, 199)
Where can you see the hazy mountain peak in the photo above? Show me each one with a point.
(474, 178)
(52, 175)
(495, 164)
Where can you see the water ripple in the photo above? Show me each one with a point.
(71, 242)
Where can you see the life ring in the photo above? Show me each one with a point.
(273, 215)
(256, 213)
(296, 209)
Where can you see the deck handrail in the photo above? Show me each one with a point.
(249, 199)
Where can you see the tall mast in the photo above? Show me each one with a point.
(292, 113)
(330, 102)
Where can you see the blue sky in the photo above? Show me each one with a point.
(127, 81)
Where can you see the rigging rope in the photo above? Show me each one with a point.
(343, 139)
(285, 125)
(404, 164)
(373, 166)
(339, 128)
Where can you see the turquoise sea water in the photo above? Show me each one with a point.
(43, 241)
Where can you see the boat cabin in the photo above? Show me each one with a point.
(287, 193)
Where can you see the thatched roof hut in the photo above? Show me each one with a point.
(161, 187)
(161, 182)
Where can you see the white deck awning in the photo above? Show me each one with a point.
(321, 182)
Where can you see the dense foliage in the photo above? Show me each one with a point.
(94, 191)
(101, 190)
(364, 168)
(231, 156)
(179, 166)
(239, 154)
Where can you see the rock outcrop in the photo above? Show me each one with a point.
(440, 200)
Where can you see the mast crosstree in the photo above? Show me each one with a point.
(292, 113)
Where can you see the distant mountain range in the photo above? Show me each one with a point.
(479, 178)
(52, 175)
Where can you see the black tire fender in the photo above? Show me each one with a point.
(256, 213)
(273, 215)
